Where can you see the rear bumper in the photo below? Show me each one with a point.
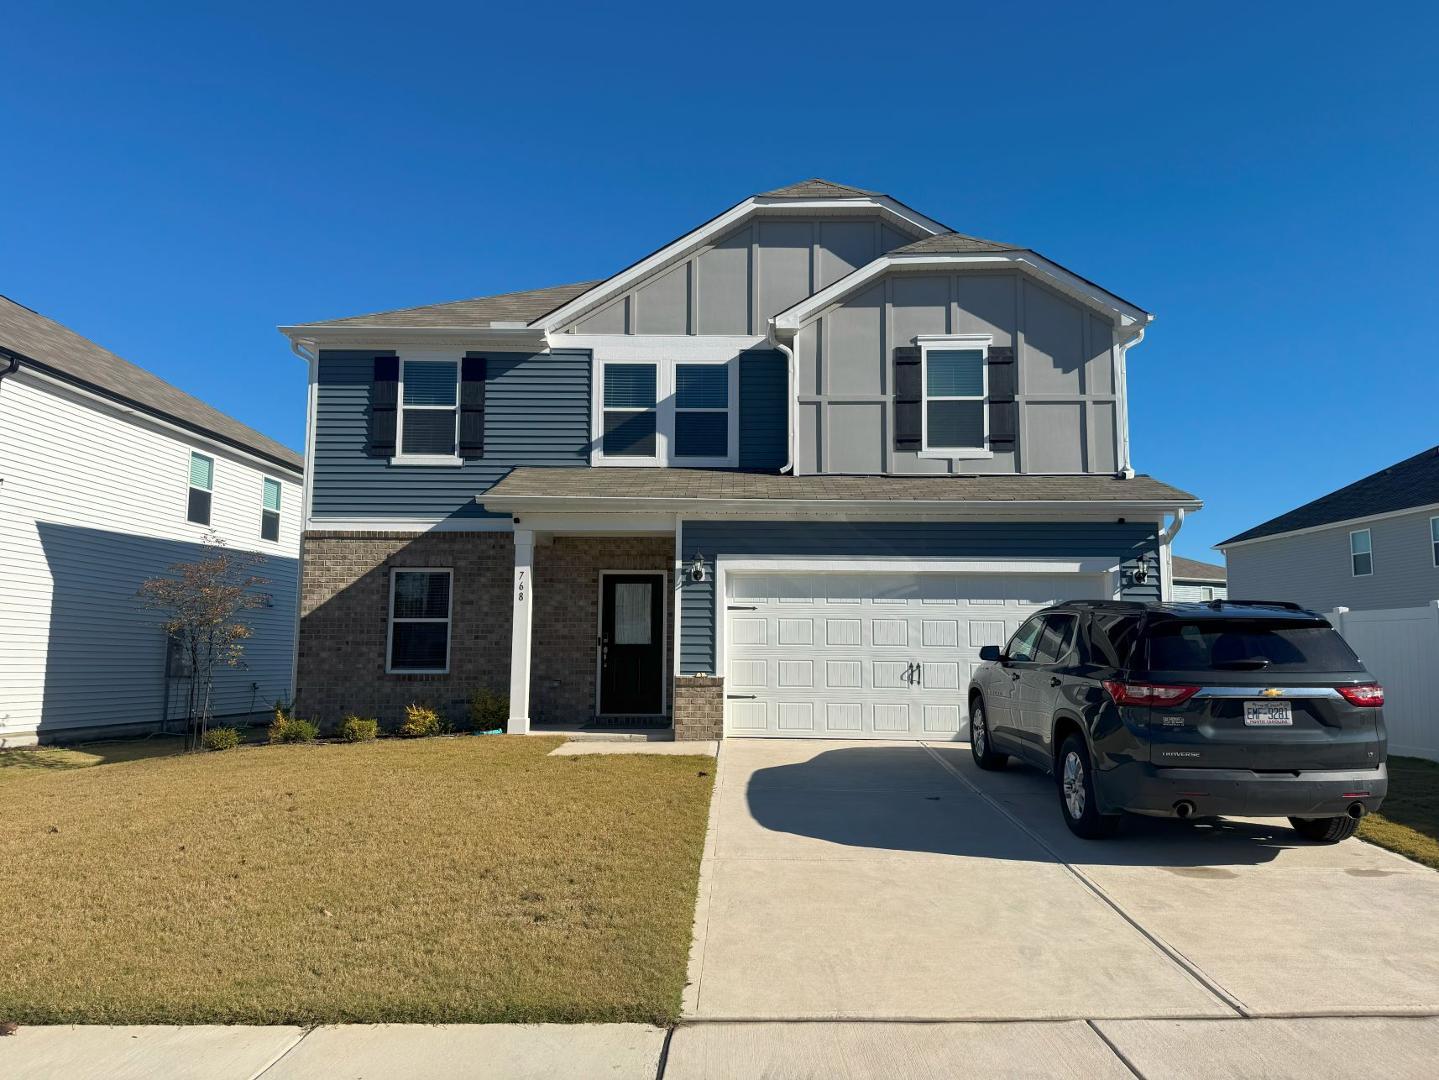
(1141, 788)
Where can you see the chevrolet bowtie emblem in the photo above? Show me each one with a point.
(1273, 692)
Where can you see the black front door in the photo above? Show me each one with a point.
(632, 640)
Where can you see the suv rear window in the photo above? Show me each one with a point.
(1245, 645)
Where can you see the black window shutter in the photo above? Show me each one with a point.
(384, 399)
(908, 398)
(472, 407)
(1003, 409)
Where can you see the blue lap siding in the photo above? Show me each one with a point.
(763, 415)
(1127, 543)
(537, 412)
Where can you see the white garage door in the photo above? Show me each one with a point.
(872, 655)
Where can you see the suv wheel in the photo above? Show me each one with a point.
(985, 755)
(1075, 779)
(1326, 830)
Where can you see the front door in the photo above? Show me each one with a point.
(632, 644)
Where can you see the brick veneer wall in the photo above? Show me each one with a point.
(566, 617)
(344, 614)
(699, 707)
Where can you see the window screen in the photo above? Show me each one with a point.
(420, 620)
(202, 484)
(954, 399)
(630, 399)
(430, 407)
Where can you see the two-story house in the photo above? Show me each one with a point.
(784, 476)
(111, 476)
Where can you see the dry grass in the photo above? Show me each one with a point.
(470, 879)
(1409, 821)
(47, 758)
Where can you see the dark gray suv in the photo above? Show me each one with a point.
(1228, 707)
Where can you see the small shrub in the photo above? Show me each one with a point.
(221, 738)
(286, 728)
(359, 729)
(488, 710)
(420, 720)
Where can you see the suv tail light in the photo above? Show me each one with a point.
(1366, 696)
(1129, 693)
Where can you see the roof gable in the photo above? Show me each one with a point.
(60, 351)
(1405, 485)
(1194, 570)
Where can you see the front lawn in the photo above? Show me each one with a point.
(1409, 820)
(440, 880)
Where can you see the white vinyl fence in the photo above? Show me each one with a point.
(1400, 646)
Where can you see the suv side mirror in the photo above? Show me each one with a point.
(990, 653)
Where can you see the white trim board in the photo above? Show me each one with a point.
(409, 525)
(1119, 310)
(896, 213)
(1420, 509)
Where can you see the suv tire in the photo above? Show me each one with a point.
(980, 744)
(1074, 780)
(1325, 830)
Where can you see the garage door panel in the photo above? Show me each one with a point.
(875, 655)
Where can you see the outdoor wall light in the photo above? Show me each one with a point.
(1140, 575)
(697, 568)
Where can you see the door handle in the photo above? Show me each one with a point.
(1054, 680)
(919, 673)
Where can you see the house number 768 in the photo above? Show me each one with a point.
(520, 586)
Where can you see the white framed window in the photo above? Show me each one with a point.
(1434, 539)
(954, 371)
(666, 409)
(202, 487)
(270, 509)
(427, 422)
(1361, 553)
(418, 641)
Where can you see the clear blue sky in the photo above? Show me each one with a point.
(177, 182)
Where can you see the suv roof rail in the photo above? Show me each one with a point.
(1285, 604)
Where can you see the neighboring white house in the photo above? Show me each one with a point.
(110, 476)
(1195, 580)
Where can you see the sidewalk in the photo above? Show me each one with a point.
(1312, 1048)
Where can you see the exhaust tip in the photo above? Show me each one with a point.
(1357, 810)
(1183, 809)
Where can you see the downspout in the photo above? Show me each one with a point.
(790, 404)
(1126, 468)
(1166, 548)
(13, 366)
(312, 360)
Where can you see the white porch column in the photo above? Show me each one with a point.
(524, 590)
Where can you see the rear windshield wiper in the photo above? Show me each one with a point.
(1254, 663)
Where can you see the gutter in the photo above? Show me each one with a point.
(13, 366)
(885, 508)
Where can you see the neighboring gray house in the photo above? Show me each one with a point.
(1373, 544)
(111, 476)
(1195, 580)
(784, 476)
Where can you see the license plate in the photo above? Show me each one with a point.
(1268, 713)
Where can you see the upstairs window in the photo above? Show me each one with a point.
(429, 408)
(419, 622)
(202, 486)
(954, 393)
(701, 411)
(1361, 553)
(270, 510)
(1434, 538)
(631, 400)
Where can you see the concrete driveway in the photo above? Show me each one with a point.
(897, 882)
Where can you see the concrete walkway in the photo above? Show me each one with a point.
(1302, 1049)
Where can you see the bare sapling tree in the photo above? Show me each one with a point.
(203, 604)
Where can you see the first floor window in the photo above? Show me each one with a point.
(631, 399)
(429, 413)
(270, 511)
(202, 486)
(419, 621)
(954, 393)
(1361, 553)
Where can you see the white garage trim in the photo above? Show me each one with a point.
(731, 564)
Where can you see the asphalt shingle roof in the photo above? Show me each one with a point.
(1194, 570)
(953, 243)
(679, 485)
(815, 188)
(1411, 482)
(477, 313)
(64, 353)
